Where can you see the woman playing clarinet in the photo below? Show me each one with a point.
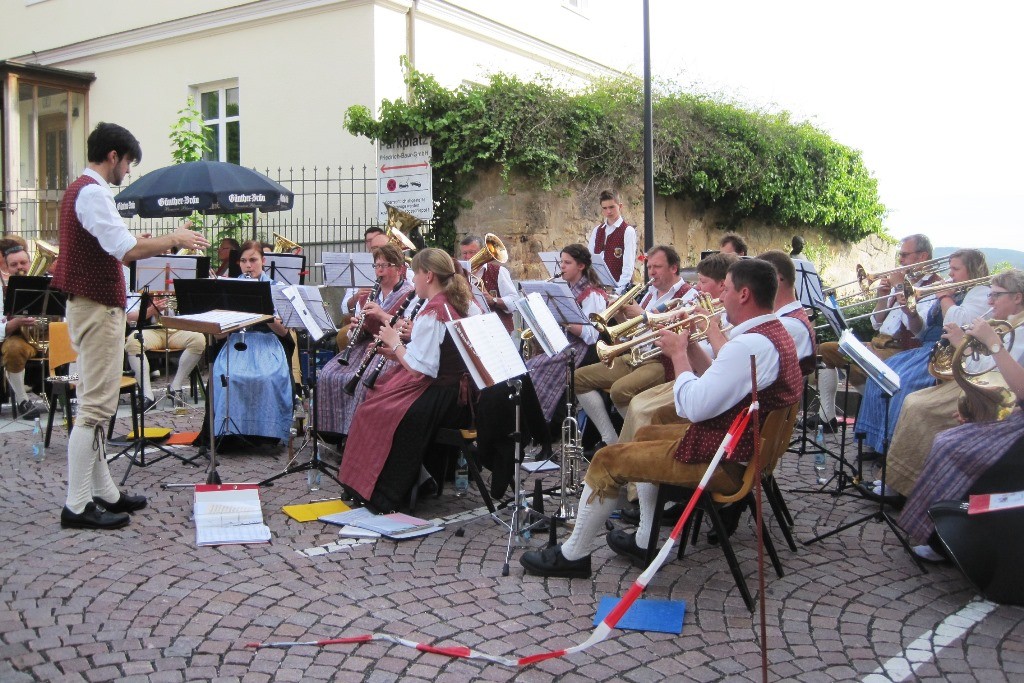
(336, 406)
(394, 425)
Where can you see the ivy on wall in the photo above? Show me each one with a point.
(741, 163)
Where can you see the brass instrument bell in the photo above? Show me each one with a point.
(44, 256)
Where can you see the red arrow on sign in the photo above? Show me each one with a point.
(385, 169)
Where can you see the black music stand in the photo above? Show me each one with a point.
(159, 272)
(289, 269)
(31, 296)
(299, 311)
(883, 376)
(202, 296)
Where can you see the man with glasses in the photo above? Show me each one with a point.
(894, 329)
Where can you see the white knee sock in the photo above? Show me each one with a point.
(590, 521)
(142, 375)
(593, 403)
(17, 380)
(828, 383)
(88, 474)
(188, 361)
(648, 496)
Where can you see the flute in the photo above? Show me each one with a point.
(371, 379)
(350, 386)
(358, 331)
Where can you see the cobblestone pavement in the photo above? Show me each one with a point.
(144, 603)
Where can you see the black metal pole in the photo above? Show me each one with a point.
(648, 137)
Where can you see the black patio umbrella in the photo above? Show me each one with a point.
(208, 187)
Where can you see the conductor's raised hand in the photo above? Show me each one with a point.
(189, 239)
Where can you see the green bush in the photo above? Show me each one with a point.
(743, 164)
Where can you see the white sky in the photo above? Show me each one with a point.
(929, 92)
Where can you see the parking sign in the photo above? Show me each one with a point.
(403, 178)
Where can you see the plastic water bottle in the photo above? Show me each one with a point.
(461, 476)
(819, 457)
(38, 446)
(313, 480)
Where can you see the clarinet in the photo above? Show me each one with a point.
(371, 379)
(350, 386)
(353, 338)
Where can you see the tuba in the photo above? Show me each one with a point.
(985, 398)
(493, 250)
(399, 225)
(283, 245)
(44, 256)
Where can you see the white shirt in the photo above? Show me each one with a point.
(594, 303)
(656, 300)
(797, 329)
(98, 215)
(975, 305)
(628, 250)
(727, 380)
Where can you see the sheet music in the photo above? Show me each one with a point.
(304, 309)
(159, 272)
(604, 276)
(286, 268)
(224, 319)
(551, 261)
(348, 270)
(539, 319)
(559, 300)
(487, 348)
(873, 366)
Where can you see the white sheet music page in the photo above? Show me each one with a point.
(224, 319)
(301, 308)
(483, 339)
(539, 319)
(872, 365)
(605, 277)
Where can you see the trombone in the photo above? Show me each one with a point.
(914, 294)
(914, 271)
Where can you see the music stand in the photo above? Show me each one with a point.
(604, 275)
(351, 271)
(206, 296)
(302, 308)
(889, 382)
(31, 296)
(552, 263)
(491, 357)
(289, 269)
(158, 273)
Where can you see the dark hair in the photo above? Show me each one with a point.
(716, 266)
(12, 248)
(232, 243)
(374, 228)
(739, 245)
(671, 255)
(608, 194)
(389, 253)
(921, 243)
(783, 264)
(760, 277)
(110, 137)
(974, 262)
(798, 243)
(472, 239)
(579, 253)
(254, 245)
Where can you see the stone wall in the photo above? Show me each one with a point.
(530, 220)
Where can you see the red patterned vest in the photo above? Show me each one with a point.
(612, 246)
(702, 439)
(490, 279)
(86, 269)
(807, 363)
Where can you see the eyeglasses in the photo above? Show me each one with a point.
(908, 254)
(381, 266)
(995, 295)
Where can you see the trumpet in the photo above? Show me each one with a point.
(572, 454)
(607, 353)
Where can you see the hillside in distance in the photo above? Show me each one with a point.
(992, 255)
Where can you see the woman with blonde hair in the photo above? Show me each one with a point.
(395, 424)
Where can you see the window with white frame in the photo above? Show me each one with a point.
(219, 107)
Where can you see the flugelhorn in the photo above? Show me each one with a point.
(44, 256)
(284, 245)
(602, 319)
(493, 250)
(607, 353)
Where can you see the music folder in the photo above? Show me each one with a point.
(873, 366)
(487, 349)
(538, 318)
(301, 307)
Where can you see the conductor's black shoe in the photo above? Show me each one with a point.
(93, 517)
(125, 503)
(625, 544)
(551, 562)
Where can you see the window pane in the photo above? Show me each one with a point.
(212, 141)
(210, 104)
(233, 142)
(231, 102)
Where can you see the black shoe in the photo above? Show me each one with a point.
(630, 515)
(143, 404)
(28, 410)
(551, 562)
(867, 490)
(869, 455)
(730, 516)
(93, 517)
(812, 422)
(625, 544)
(125, 503)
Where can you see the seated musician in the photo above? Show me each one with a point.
(623, 381)
(893, 324)
(193, 344)
(929, 411)
(961, 455)
(228, 252)
(336, 407)
(499, 290)
(15, 348)
(731, 243)
(548, 373)
(394, 425)
(260, 386)
(8, 241)
(791, 312)
(949, 306)
(710, 402)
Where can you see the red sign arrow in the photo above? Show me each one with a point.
(385, 169)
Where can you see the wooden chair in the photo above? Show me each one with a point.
(775, 437)
(61, 353)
